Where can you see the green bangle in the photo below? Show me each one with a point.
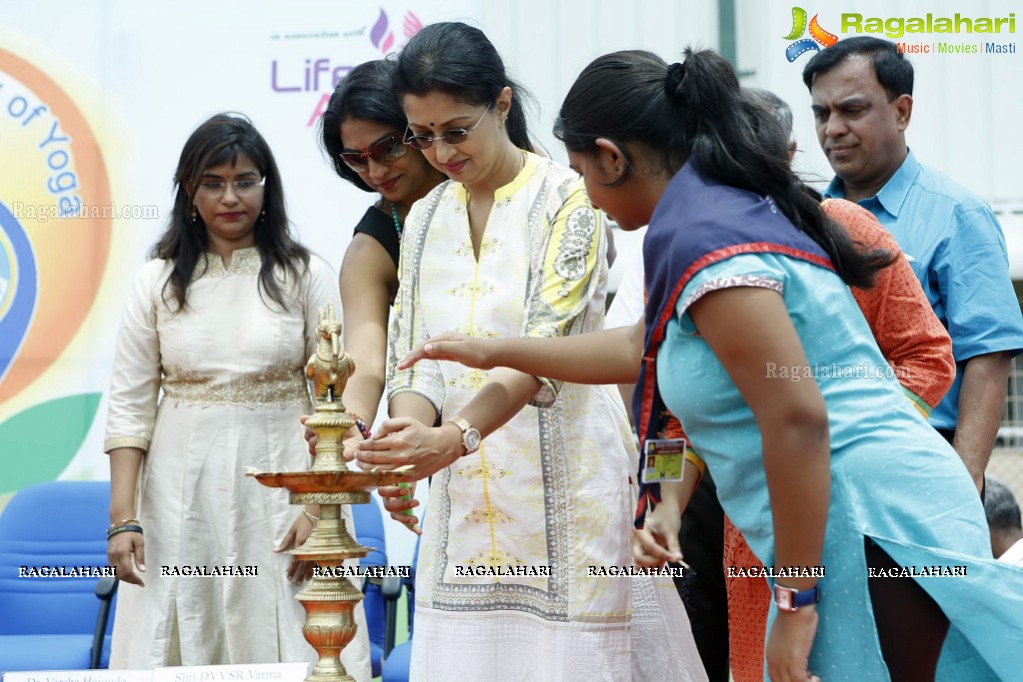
(128, 528)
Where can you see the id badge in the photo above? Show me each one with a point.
(665, 459)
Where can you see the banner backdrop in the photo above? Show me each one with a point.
(96, 101)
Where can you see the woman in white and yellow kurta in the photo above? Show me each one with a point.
(522, 532)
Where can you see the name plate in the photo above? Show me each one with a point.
(271, 672)
(80, 676)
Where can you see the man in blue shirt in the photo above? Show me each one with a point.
(862, 102)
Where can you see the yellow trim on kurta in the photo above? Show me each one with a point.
(567, 296)
(524, 175)
(477, 380)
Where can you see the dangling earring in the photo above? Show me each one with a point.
(195, 215)
(262, 216)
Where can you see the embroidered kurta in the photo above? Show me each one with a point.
(548, 495)
(230, 367)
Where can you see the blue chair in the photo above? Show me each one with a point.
(49, 623)
(369, 531)
(398, 658)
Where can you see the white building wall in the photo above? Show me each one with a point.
(966, 107)
(545, 44)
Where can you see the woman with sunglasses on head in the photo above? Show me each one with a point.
(755, 342)
(531, 478)
(220, 322)
(361, 131)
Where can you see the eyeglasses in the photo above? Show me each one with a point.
(453, 136)
(387, 150)
(242, 188)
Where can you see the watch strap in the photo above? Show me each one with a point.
(790, 599)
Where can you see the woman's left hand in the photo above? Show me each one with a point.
(789, 644)
(657, 541)
(403, 441)
(298, 571)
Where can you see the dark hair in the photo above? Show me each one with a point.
(770, 118)
(458, 60)
(893, 70)
(219, 140)
(773, 105)
(1000, 506)
(366, 93)
(694, 112)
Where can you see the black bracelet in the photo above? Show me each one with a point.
(128, 528)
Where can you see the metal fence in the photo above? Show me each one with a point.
(1010, 435)
(1007, 460)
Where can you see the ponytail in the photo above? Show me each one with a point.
(693, 111)
(727, 149)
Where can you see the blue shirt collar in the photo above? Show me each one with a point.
(893, 195)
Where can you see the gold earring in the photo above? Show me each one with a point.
(195, 215)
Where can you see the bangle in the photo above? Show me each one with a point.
(128, 528)
(309, 516)
(362, 426)
(123, 522)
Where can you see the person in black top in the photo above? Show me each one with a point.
(361, 131)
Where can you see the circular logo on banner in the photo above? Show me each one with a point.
(17, 287)
(54, 235)
(55, 225)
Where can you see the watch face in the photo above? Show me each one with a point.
(783, 597)
(472, 439)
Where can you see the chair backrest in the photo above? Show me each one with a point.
(369, 531)
(53, 524)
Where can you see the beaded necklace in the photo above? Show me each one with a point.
(394, 214)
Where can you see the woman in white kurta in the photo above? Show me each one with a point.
(230, 366)
(522, 529)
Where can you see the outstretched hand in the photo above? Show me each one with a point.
(460, 348)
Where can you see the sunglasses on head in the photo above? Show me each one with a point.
(387, 150)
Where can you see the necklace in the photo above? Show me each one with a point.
(394, 214)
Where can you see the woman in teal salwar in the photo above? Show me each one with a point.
(754, 341)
